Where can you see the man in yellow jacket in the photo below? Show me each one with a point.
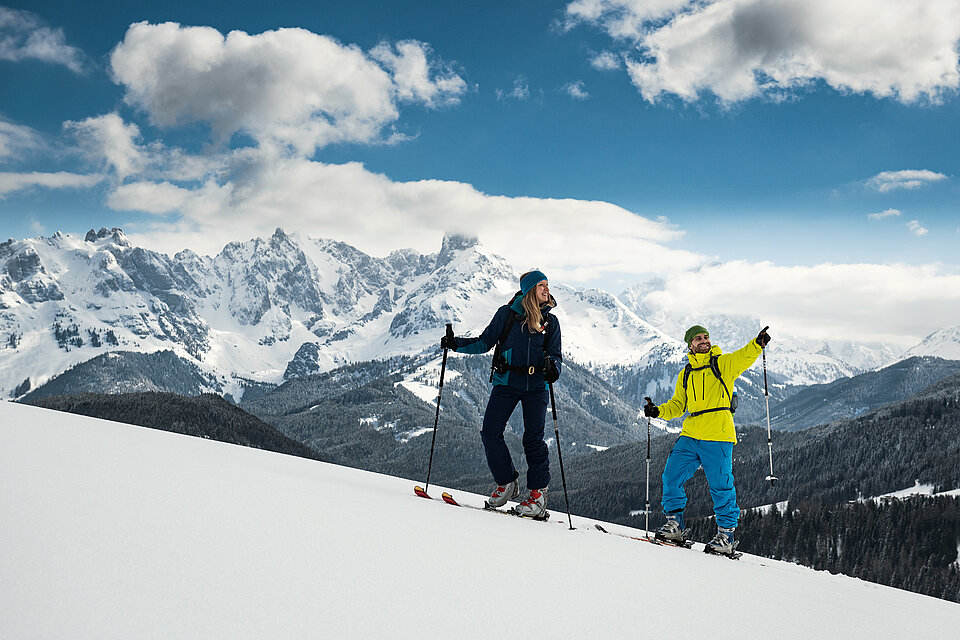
(705, 389)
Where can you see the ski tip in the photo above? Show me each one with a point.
(601, 528)
(420, 492)
(449, 499)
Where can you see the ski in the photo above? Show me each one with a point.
(420, 492)
(686, 544)
(449, 499)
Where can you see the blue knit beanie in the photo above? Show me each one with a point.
(531, 280)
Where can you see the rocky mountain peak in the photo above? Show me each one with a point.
(453, 244)
(114, 235)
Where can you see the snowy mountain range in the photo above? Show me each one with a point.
(269, 309)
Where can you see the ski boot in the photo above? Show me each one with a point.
(723, 544)
(502, 494)
(535, 506)
(673, 533)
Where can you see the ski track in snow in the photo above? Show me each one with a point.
(115, 531)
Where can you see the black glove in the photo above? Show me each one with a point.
(448, 341)
(650, 410)
(763, 337)
(550, 371)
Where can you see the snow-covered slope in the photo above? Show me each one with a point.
(943, 343)
(113, 531)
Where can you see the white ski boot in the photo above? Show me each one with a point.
(723, 544)
(535, 506)
(502, 494)
(672, 533)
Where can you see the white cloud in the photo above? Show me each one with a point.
(739, 49)
(582, 239)
(605, 61)
(906, 179)
(288, 88)
(521, 90)
(16, 139)
(916, 228)
(412, 74)
(621, 18)
(10, 182)
(109, 139)
(23, 36)
(151, 197)
(576, 90)
(884, 214)
(866, 302)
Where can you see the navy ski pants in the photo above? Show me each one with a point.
(716, 458)
(503, 400)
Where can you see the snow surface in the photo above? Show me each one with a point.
(114, 531)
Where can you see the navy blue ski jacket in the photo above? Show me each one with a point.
(521, 347)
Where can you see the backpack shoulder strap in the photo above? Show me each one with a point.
(715, 367)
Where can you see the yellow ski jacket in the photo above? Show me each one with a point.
(704, 391)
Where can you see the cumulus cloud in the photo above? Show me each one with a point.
(827, 301)
(906, 179)
(740, 49)
(372, 212)
(109, 139)
(10, 182)
(888, 213)
(576, 90)
(287, 88)
(23, 36)
(414, 77)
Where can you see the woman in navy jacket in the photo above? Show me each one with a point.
(527, 360)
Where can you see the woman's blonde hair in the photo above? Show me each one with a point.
(531, 309)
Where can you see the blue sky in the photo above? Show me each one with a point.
(742, 151)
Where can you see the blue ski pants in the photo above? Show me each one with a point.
(716, 458)
(503, 400)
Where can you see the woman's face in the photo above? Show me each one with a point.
(543, 292)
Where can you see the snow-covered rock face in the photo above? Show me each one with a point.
(285, 306)
(943, 343)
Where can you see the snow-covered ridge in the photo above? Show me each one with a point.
(114, 531)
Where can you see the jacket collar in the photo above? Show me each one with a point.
(703, 359)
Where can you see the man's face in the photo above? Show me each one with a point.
(543, 292)
(700, 343)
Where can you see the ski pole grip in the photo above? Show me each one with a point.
(449, 330)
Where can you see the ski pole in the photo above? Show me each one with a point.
(772, 479)
(646, 518)
(436, 420)
(556, 432)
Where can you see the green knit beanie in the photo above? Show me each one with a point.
(693, 332)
